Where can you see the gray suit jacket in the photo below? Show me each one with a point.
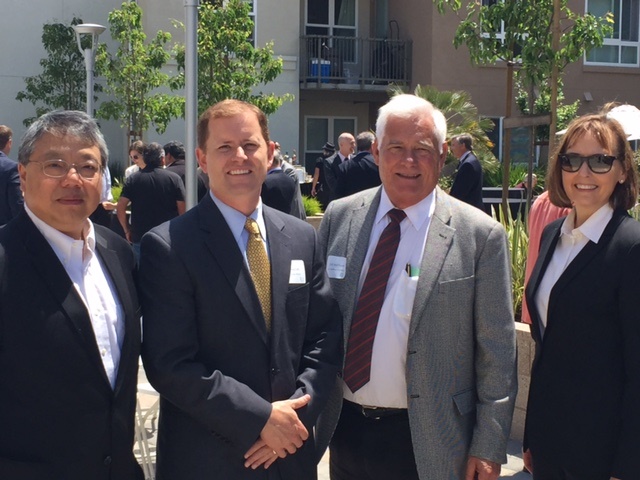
(461, 354)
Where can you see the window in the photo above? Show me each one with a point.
(332, 18)
(252, 16)
(500, 31)
(622, 47)
(319, 130)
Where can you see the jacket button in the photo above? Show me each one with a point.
(274, 371)
(107, 460)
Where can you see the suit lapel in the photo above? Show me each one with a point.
(360, 226)
(112, 263)
(547, 248)
(223, 247)
(438, 242)
(53, 274)
(280, 260)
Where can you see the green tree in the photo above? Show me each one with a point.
(229, 66)
(522, 33)
(134, 75)
(62, 83)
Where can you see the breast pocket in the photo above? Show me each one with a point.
(404, 293)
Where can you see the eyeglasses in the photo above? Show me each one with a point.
(599, 163)
(60, 168)
(134, 157)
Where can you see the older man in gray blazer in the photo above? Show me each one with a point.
(423, 282)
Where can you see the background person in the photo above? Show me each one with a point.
(155, 194)
(582, 415)
(361, 172)
(318, 188)
(11, 199)
(346, 148)
(281, 191)
(467, 184)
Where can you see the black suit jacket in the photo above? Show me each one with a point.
(11, 199)
(207, 351)
(467, 185)
(59, 417)
(331, 173)
(356, 175)
(280, 191)
(584, 397)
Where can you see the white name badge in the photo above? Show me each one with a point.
(336, 267)
(297, 275)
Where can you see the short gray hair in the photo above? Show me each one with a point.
(60, 123)
(364, 141)
(407, 105)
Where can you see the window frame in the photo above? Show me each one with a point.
(616, 42)
(332, 132)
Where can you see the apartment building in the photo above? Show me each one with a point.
(340, 56)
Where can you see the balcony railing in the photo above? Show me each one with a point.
(353, 62)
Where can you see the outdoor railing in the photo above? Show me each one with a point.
(354, 61)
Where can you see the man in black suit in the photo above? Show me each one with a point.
(69, 316)
(244, 343)
(361, 172)
(10, 195)
(282, 192)
(346, 147)
(467, 185)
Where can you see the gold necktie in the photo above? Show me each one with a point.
(260, 268)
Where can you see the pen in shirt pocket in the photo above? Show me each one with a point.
(412, 271)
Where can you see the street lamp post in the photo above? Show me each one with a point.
(89, 53)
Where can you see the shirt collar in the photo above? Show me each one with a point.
(236, 220)
(62, 244)
(592, 228)
(417, 214)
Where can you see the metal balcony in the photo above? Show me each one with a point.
(353, 63)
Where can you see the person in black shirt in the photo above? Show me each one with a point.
(156, 196)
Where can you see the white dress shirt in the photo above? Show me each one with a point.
(572, 240)
(236, 221)
(95, 287)
(388, 384)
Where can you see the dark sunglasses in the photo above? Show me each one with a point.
(599, 163)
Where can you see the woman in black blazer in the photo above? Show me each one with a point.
(583, 416)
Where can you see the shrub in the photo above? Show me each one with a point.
(311, 206)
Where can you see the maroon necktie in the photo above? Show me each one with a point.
(357, 368)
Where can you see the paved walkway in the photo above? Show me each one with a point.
(512, 470)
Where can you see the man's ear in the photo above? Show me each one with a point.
(375, 151)
(201, 155)
(271, 148)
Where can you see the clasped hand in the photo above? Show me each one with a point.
(283, 434)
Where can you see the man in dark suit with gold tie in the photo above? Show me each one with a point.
(245, 350)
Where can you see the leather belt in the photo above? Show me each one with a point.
(374, 413)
